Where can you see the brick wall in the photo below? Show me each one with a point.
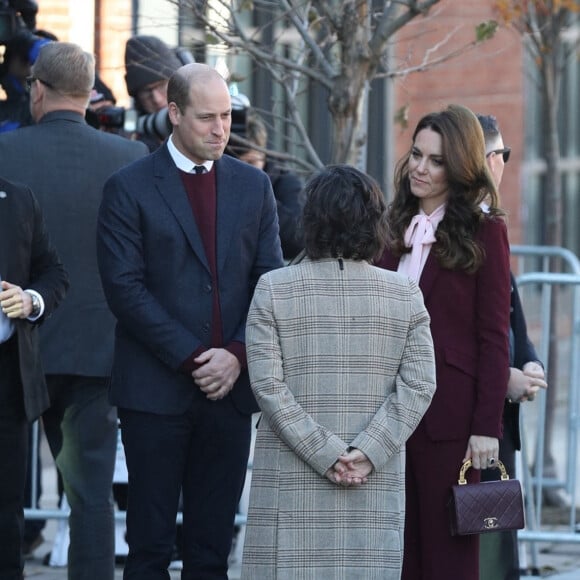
(54, 16)
(102, 27)
(113, 26)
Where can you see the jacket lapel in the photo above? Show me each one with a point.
(429, 275)
(229, 193)
(7, 225)
(171, 188)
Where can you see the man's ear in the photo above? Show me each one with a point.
(174, 113)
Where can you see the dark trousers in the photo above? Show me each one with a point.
(13, 460)
(81, 430)
(204, 453)
(431, 552)
(499, 557)
(33, 528)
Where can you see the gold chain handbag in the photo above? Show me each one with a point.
(489, 506)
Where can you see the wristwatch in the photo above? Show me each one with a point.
(35, 305)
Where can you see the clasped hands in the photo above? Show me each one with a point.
(523, 385)
(352, 468)
(219, 369)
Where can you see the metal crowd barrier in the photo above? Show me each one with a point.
(541, 285)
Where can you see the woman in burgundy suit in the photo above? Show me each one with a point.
(459, 254)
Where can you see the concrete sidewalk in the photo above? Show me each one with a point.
(556, 561)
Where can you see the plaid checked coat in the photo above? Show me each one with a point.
(337, 357)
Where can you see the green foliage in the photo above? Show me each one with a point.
(486, 30)
(402, 116)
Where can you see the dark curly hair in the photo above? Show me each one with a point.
(470, 185)
(344, 216)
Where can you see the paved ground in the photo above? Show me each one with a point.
(556, 561)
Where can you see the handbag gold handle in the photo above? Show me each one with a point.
(467, 464)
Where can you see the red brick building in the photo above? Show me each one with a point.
(100, 26)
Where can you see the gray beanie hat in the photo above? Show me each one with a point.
(148, 60)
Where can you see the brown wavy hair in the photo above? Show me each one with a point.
(470, 185)
(345, 215)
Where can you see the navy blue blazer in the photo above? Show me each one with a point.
(522, 351)
(157, 279)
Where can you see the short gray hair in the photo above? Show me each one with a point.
(66, 68)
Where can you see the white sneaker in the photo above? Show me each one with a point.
(176, 565)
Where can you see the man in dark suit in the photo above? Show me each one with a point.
(29, 261)
(183, 237)
(499, 558)
(66, 163)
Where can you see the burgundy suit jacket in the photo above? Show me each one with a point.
(469, 323)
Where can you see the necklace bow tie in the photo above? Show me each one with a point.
(420, 236)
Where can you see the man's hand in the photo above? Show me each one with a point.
(523, 385)
(217, 374)
(15, 302)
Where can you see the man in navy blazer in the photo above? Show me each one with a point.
(183, 236)
(33, 282)
(499, 552)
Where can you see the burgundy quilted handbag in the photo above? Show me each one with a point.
(489, 506)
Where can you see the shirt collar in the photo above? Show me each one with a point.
(181, 161)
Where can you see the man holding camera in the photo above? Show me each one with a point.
(149, 63)
(66, 162)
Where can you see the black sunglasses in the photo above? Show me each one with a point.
(505, 152)
(30, 80)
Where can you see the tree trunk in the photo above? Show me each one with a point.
(553, 213)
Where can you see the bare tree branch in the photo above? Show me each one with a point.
(340, 46)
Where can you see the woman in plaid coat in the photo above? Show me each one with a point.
(341, 362)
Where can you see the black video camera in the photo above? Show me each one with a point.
(155, 124)
(110, 117)
(16, 15)
(8, 24)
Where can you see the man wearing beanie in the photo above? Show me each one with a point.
(149, 63)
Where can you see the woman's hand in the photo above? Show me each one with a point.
(483, 451)
(352, 468)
